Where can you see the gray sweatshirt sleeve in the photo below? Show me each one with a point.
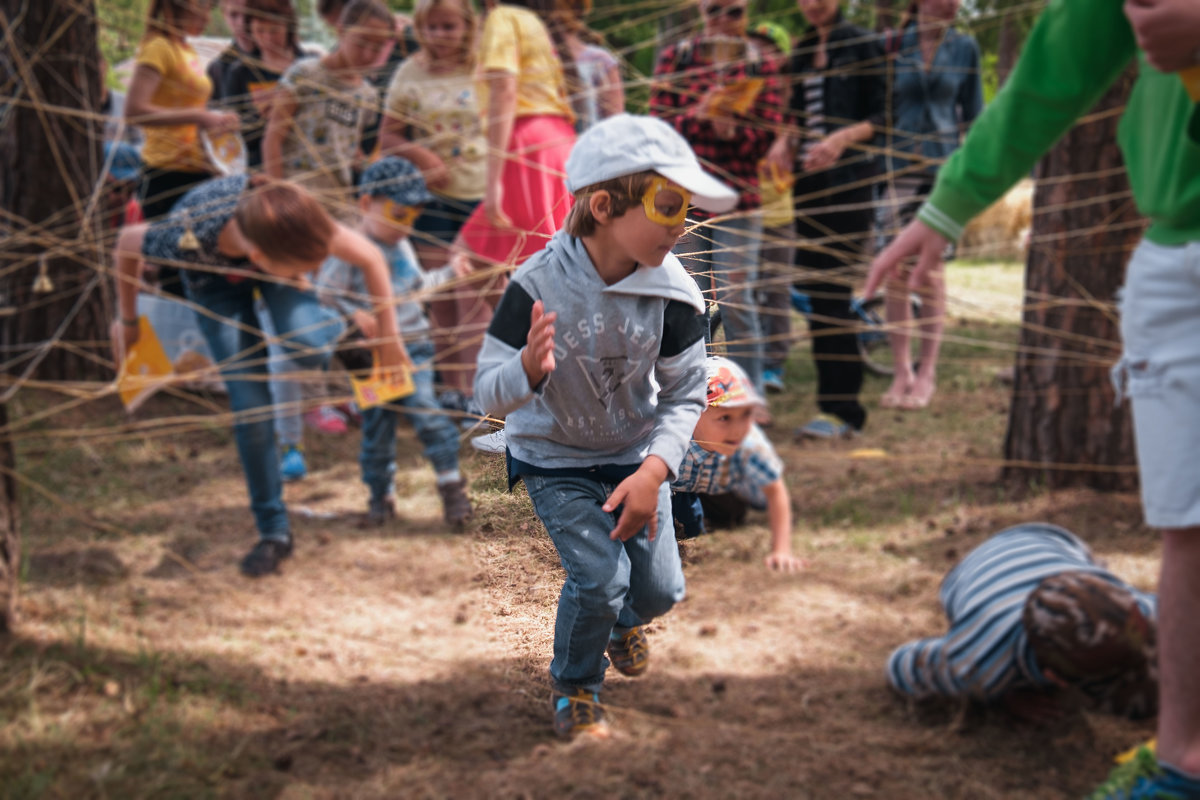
(501, 385)
(680, 372)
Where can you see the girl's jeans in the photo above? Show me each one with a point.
(437, 432)
(307, 332)
(609, 583)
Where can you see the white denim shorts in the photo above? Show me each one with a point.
(1160, 372)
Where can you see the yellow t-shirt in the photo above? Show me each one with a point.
(183, 85)
(515, 41)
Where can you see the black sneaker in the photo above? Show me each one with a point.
(578, 712)
(380, 511)
(265, 557)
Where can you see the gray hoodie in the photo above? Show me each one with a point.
(629, 379)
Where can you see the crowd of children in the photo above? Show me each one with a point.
(561, 306)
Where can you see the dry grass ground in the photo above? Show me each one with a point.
(411, 661)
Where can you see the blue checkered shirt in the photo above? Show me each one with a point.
(752, 467)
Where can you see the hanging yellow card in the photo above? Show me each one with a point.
(146, 369)
(377, 390)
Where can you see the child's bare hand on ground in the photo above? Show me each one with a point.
(538, 356)
(785, 562)
(639, 495)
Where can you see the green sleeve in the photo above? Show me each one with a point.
(1074, 53)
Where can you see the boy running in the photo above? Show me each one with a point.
(596, 357)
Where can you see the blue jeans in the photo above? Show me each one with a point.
(609, 583)
(438, 434)
(723, 258)
(286, 390)
(307, 331)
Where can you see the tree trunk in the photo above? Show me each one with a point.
(10, 528)
(1063, 427)
(53, 299)
(55, 325)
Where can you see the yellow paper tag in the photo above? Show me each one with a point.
(737, 98)
(375, 390)
(146, 368)
(1131, 753)
(769, 172)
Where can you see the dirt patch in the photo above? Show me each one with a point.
(410, 661)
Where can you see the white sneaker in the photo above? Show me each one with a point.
(490, 443)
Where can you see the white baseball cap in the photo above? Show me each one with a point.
(626, 144)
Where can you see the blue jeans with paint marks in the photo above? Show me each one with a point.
(610, 584)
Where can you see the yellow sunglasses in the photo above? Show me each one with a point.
(400, 214)
(665, 203)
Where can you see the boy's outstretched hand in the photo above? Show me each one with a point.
(917, 239)
(639, 494)
(538, 356)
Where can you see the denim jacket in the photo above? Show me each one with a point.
(930, 109)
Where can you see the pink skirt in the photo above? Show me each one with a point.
(534, 197)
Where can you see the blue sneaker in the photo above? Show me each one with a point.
(1142, 777)
(291, 465)
(773, 380)
(826, 426)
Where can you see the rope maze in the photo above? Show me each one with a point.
(33, 242)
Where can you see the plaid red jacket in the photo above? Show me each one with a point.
(683, 75)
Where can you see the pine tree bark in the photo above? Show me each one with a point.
(50, 158)
(10, 531)
(1064, 428)
(53, 298)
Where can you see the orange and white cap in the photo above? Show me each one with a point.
(729, 386)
